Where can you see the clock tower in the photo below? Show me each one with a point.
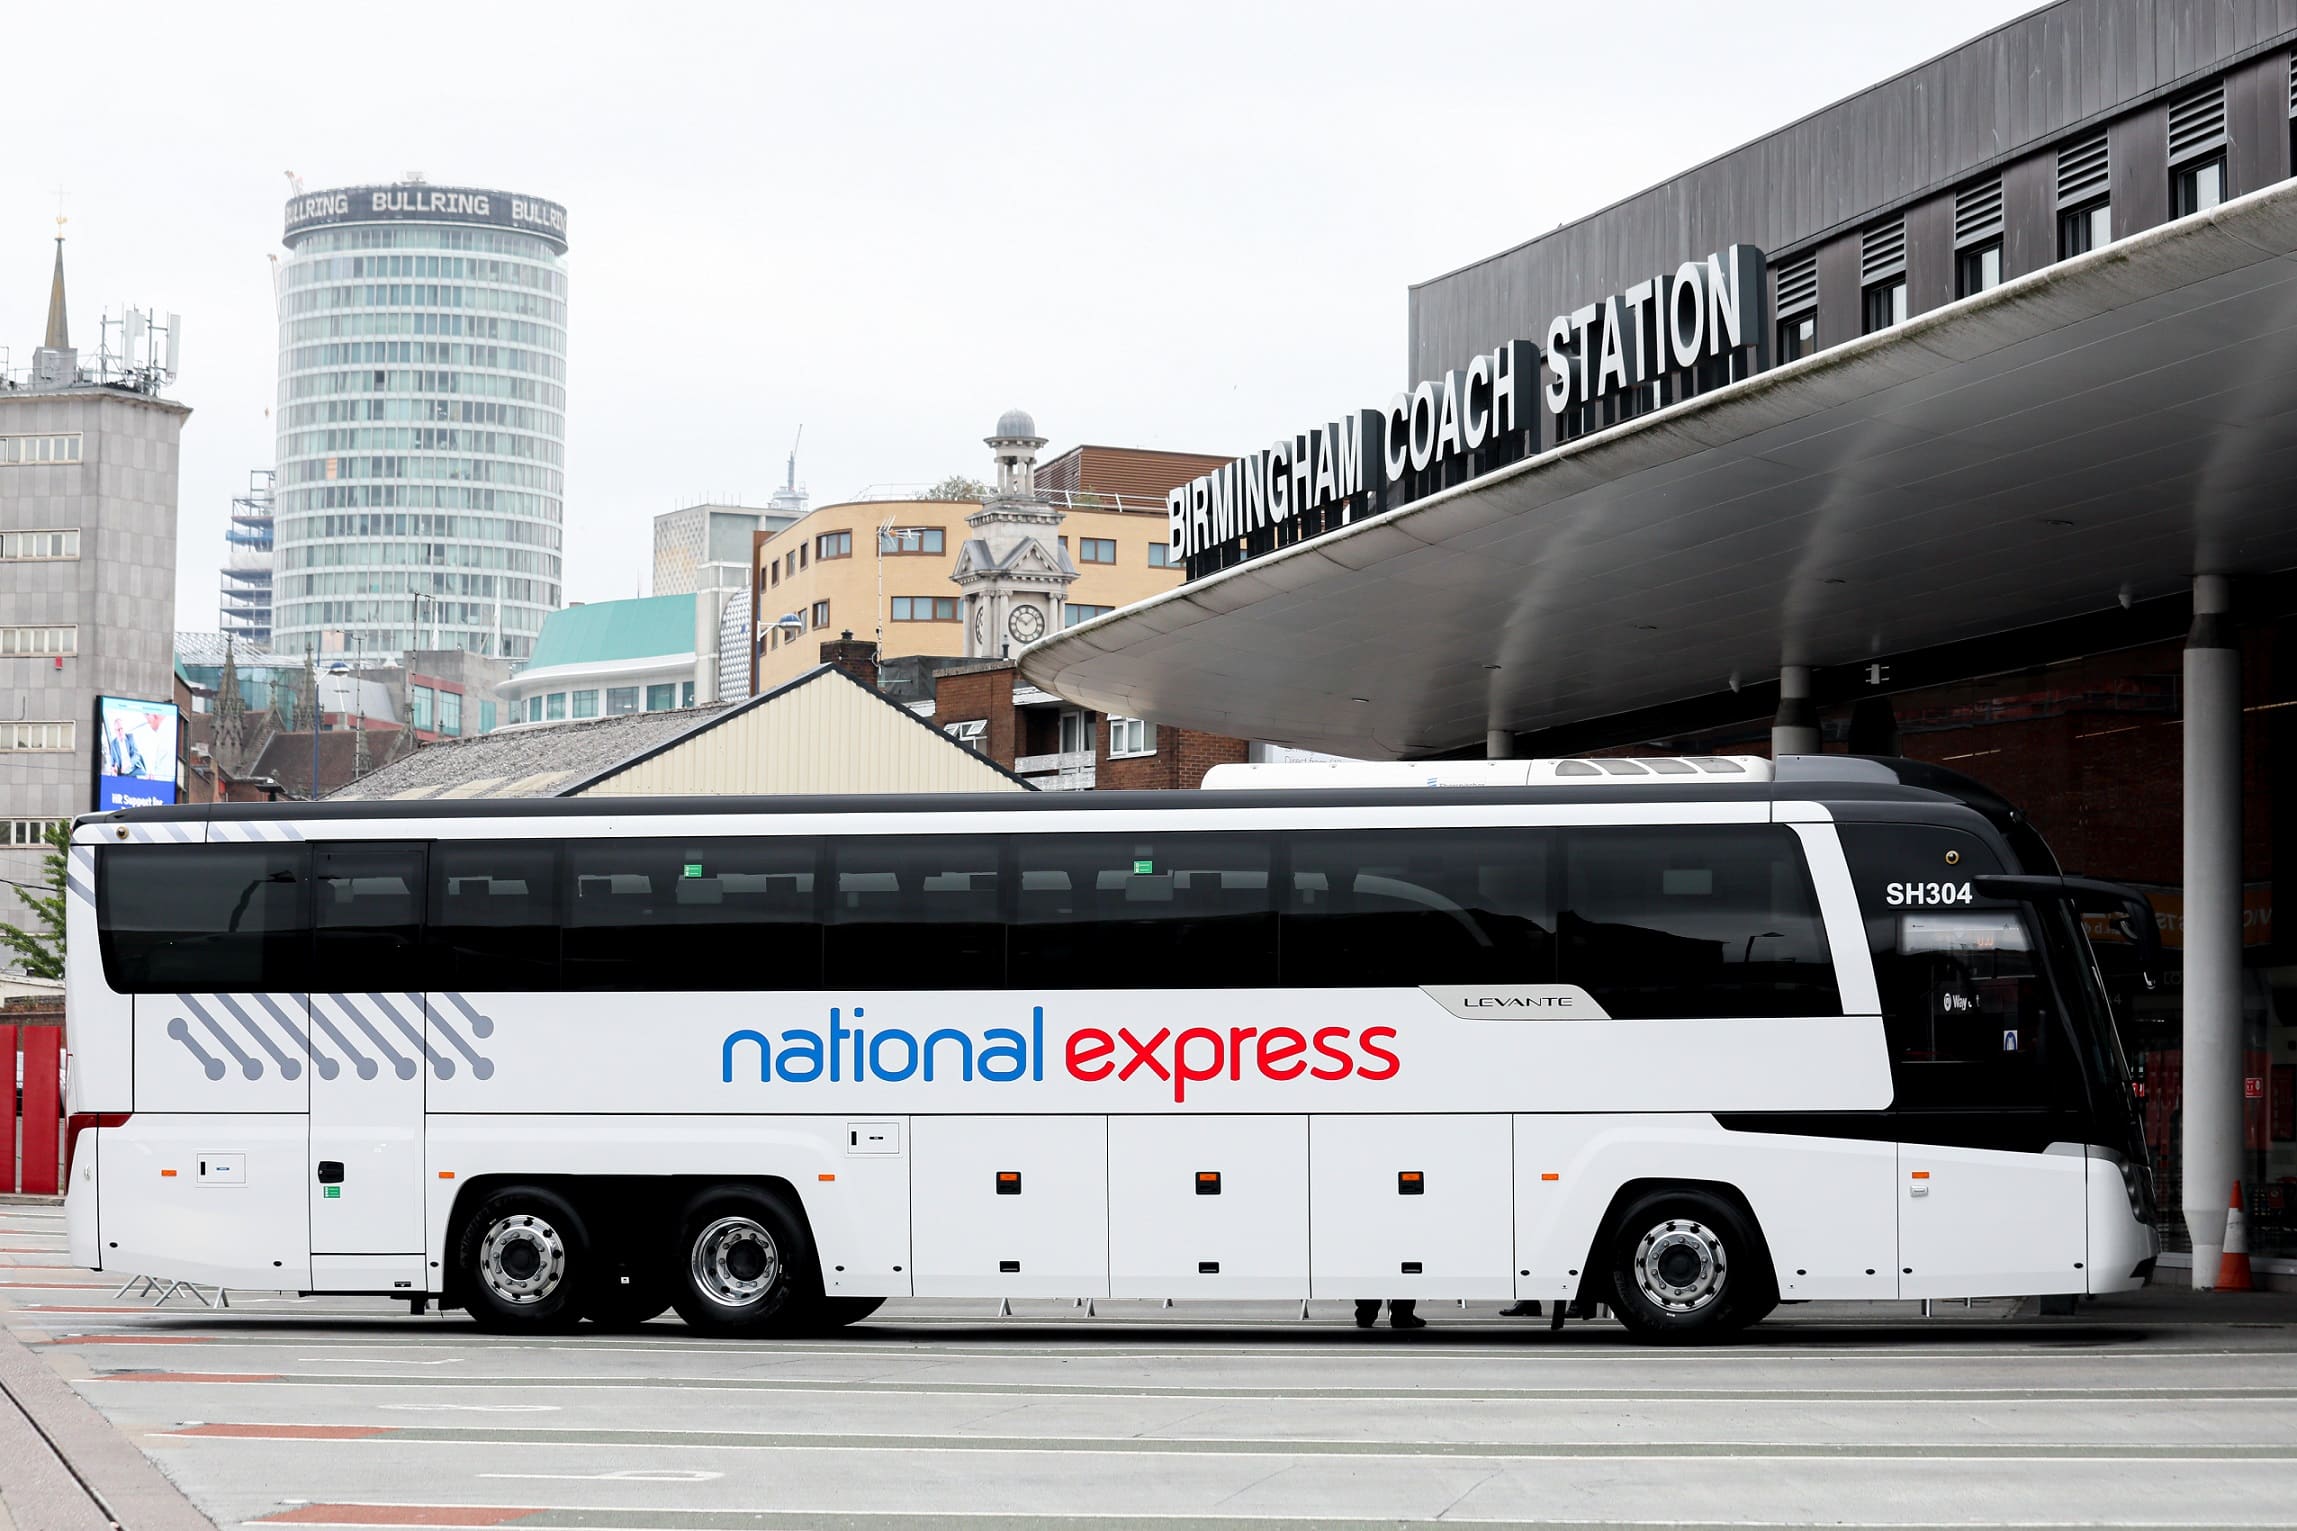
(1012, 570)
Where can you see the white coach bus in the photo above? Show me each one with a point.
(1685, 1037)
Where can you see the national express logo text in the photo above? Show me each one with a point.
(1002, 1054)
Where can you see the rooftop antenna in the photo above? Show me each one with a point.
(791, 484)
(294, 180)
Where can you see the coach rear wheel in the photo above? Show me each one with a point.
(745, 1266)
(524, 1260)
(1687, 1267)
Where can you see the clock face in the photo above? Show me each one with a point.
(1027, 624)
(981, 623)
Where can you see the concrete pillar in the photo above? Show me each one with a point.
(1499, 744)
(1795, 730)
(2212, 1073)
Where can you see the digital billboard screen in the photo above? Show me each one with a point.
(135, 753)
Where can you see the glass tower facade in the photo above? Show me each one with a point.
(422, 421)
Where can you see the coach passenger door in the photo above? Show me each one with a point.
(368, 1054)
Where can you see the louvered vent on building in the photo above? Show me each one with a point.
(2197, 124)
(1883, 253)
(1978, 214)
(2082, 170)
(1798, 286)
(2293, 84)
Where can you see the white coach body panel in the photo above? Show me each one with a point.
(857, 1205)
(1409, 1206)
(209, 1198)
(366, 1182)
(1824, 1204)
(1042, 1233)
(221, 1052)
(1979, 1222)
(98, 1021)
(1126, 1051)
(1249, 1221)
(2118, 1241)
(84, 1202)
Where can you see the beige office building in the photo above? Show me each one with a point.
(887, 569)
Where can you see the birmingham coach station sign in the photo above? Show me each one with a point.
(1660, 340)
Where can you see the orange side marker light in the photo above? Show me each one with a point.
(825, 1177)
(446, 1174)
(167, 1174)
(1549, 1175)
(1922, 1174)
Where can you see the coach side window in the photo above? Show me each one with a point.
(1694, 920)
(367, 916)
(203, 918)
(1399, 907)
(1142, 911)
(915, 913)
(494, 915)
(692, 914)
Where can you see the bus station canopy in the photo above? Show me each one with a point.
(2093, 433)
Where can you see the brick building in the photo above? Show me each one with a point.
(1059, 746)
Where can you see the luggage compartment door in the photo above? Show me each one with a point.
(1010, 1206)
(1411, 1206)
(1208, 1206)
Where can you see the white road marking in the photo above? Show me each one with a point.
(625, 1475)
(472, 1408)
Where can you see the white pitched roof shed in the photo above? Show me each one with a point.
(823, 732)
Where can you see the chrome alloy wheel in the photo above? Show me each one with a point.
(1679, 1264)
(523, 1259)
(735, 1261)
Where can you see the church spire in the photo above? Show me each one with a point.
(59, 326)
(230, 711)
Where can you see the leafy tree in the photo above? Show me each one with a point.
(41, 951)
(958, 487)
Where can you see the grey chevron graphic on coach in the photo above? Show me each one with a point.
(258, 1033)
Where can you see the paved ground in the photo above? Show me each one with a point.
(2160, 1409)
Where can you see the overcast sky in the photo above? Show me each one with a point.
(1169, 225)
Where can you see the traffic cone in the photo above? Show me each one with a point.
(2233, 1266)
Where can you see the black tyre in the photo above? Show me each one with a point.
(837, 1312)
(745, 1266)
(1688, 1268)
(524, 1260)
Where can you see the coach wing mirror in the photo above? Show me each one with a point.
(2132, 915)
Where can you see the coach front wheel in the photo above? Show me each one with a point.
(745, 1265)
(1687, 1267)
(524, 1261)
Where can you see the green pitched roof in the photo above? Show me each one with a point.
(602, 630)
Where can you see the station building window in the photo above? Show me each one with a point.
(1798, 337)
(1978, 270)
(620, 699)
(2084, 229)
(1885, 305)
(662, 698)
(1096, 550)
(586, 704)
(2196, 187)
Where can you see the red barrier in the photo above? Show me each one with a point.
(43, 1048)
(7, 1108)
